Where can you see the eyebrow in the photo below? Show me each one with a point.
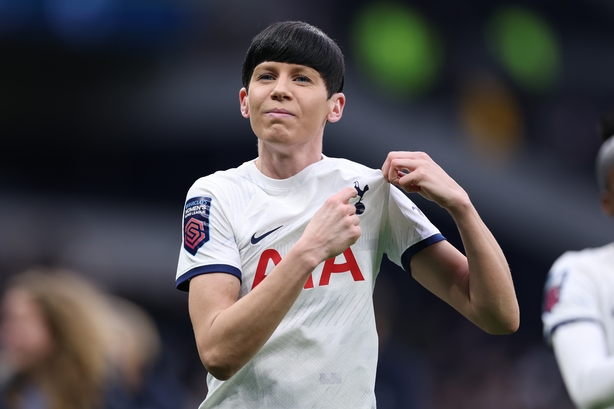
(296, 68)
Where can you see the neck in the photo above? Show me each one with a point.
(281, 165)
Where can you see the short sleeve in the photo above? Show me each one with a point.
(570, 295)
(208, 244)
(409, 230)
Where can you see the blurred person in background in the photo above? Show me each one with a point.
(578, 308)
(146, 380)
(55, 345)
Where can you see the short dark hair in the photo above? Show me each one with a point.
(605, 157)
(606, 126)
(297, 42)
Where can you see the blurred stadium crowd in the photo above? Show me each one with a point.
(109, 110)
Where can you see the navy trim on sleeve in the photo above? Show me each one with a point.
(421, 245)
(183, 282)
(548, 336)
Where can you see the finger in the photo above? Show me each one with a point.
(386, 168)
(407, 164)
(402, 173)
(347, 193)
(393, 175)
(389, 163)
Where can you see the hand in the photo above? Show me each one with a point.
(417, 172)
(334, 227)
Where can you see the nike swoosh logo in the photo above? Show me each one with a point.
(255, 239)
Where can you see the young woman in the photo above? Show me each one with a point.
(280, 255)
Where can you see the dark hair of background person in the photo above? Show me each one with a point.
(606, 126)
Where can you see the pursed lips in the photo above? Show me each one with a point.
(279, 113)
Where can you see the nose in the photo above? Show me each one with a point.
(281, 90)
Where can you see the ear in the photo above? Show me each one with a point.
(607, 202)
(607, 196)
(244, 103)
(337, 102)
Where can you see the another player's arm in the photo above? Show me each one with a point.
(478, 285)
(588, 372)
(230, 331)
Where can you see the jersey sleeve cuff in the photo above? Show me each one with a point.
(421, 245)
(549, 333)
(183, 282)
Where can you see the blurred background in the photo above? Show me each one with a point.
(110, 110)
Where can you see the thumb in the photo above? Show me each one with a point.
(347, 193)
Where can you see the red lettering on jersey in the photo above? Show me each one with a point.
(271, 254)
(350, 265)
(309, 283)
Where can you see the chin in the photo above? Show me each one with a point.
(276, 137)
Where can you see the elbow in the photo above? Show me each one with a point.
(220, 372)
(507, 328)
(219, 364)
(504, 324)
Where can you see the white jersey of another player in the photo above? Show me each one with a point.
(324, 352)
(578, 318)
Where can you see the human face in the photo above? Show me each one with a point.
(26, 337)
(288, 105)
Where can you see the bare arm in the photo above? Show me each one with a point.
(478, 285)
(229, 332)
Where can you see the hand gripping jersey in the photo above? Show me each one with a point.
(324, 352)
(580, 287)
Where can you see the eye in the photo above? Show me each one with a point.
(303, 78)
(265, 77)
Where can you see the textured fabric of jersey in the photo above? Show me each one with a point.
(324, 352)
(580, 287)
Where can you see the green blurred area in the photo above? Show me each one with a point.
(398, 49)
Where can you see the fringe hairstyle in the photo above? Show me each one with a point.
(297, 42)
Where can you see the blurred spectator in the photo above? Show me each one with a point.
(68, 345)
(146, 381)
(54, 345)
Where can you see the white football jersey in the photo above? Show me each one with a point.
(324, 352)
(580, 287)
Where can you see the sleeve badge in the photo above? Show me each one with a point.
(196, 223)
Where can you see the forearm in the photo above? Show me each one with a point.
(229, 332)
(480, 285)
(488, 286)
(230, 337)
